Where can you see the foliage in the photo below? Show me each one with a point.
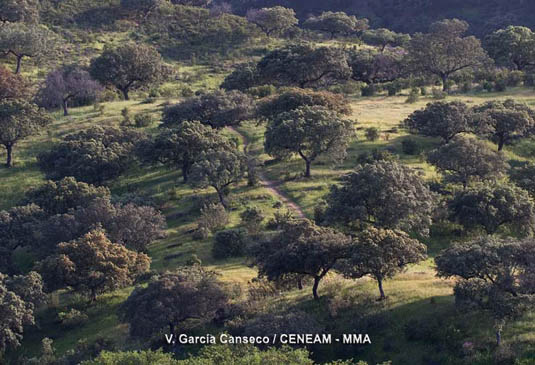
(128, 67)
(19, 11)
(61, 196)
(229, 243)
(19, 295)
(512, 47)
(372, 134)
(492, 273)
(252, 218)
(441, 119)
(219, 168)
(504, 121)
(382, 194)
(217, 109)
(18, 226)
(69, 84)
(272, 21)
(12, 86)
(213, 217)
(303, 65)
(293, 98)
(524, 177)
(491, 206)
(383, 37)
(444, 51)
(382, 253)
(92, 265)
(19, 119)
(336, 23)
(308, 131)
(190, 293)
(27, 40)
(303, 248)
(95, 155)
(146, 357)
(374, 67)
(243, 77)
(464, 160)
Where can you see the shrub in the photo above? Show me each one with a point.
(414, 95)
(372, 134)
(369, 90)
(143, 120)
(279, 219)
(252, 218)
(213, 217)
(229, 243)
(72, 318)
(410, 147)
(438, 94)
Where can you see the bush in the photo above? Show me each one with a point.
(438, 94)
(279, 219)
(262, 91)
(372, 134)
(213, 217)
(143, 120)
(369, 90)
(229, 243)
(252, 218)
(410, 147)
(413, 96)
(72, 318)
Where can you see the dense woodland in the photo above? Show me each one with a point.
(251, 168)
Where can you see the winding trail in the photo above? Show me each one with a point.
(272, 186)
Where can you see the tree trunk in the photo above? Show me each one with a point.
(381, 290)
(498, 337)
(125, 94)
(93, 295)
(300, 283)
(501, 143)
(315, 287)
(9, 149)
(19, 63)
(185, 174)
(445, 86)
(307, 171)
(65, 107)
(222, 198)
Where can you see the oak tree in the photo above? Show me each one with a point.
(272, 21)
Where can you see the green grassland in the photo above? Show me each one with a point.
(415, 294)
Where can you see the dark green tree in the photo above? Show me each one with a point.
(272, 21)
(335, 23)
(441, 119)
(382, 253)
(373, 67)
(491, 272)
(491, 206)
(302, 248)
(383, 37)
(189, 294)
(19, 119)
(503, 122)
(513, 46)
(384, 194)
(465, 160)
(128, 67)
(444, 51)
(309, 131)
(19, 11)
(217, 109)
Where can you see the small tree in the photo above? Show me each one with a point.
(524, 177)
(335, 23)
(301, 248)
(272, 21)
(382, 253)
(383, 37)
(243, 77)
(229, 243)
(217, 109)
(303, 65)
(67, 84)
(93, 265)
(309, 132)
(441, 119)
(504, 121)
(19, 226)
(465, 160)
(444, 51)
(12, 86)
(491, 206)
(61, 196)
(290, 99)
(128, 67)
(19, 11)
(189, 294)
(252, 218)
(512, 47)
(27, 40)
(373, 67)
(491, 272)
(219, 168)
(384, 194)
(19, 119)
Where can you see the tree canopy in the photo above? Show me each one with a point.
(335, 23)
(383, 37)
(19, 11)
(374, 67)
(513, 46)
(19, 119)
(128, 67)
(272, 21)
(302, 248)
(384, 194)
(308, 131)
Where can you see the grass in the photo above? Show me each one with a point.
(415, 294)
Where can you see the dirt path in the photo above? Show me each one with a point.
(271, 185)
